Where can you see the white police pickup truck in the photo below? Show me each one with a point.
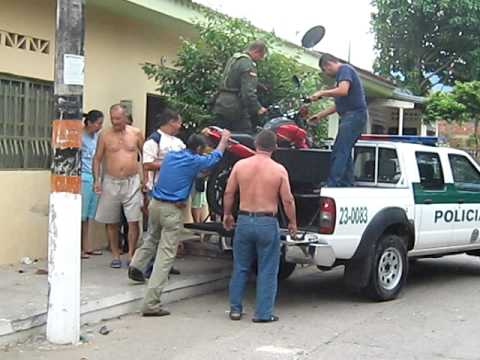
(409, 201)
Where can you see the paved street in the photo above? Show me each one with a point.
(436, 318)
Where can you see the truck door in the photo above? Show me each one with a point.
(434, 206)
(466, 178)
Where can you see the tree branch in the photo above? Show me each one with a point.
(441, 68)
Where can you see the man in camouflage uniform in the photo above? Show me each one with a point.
(237, 103)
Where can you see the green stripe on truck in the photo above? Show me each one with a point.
(449, 194)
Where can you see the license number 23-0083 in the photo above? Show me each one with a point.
(353, 215)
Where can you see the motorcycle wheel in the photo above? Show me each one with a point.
(216, 185)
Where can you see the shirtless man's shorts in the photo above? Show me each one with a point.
(117, 157)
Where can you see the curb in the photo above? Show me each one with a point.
(19, 330)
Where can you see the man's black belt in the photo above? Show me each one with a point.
(257, 214)
(174, 202)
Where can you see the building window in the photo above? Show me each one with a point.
(24, 42)
(26, 114)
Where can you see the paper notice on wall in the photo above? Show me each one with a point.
(73, 69)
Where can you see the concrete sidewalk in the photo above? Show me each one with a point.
(105, 293)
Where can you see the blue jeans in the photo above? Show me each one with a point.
(341, 163)
(256, 237)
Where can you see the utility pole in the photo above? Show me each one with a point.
(64, 227)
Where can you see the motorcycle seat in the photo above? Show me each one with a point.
(244, 139)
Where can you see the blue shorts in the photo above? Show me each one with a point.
(89, 198)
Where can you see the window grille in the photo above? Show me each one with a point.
(26, 114)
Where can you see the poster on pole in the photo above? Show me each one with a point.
(73, 69)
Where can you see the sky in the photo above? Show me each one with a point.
(346, 21)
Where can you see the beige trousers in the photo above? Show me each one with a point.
(167, 230)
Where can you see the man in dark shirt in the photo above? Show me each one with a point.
(351, 105)
(169, 196)
(237, 103)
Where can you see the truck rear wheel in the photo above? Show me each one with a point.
(286, 269)
(389, 269)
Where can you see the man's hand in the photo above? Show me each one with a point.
(314, 119)
(145, 204)
(262, 110)
(223, 144)
(228, 222)
(316, 96)
(292, 230)
(97, 187)
(226, 135)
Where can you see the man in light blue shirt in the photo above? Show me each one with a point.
(169, 196)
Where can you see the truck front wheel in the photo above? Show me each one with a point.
(389, 269)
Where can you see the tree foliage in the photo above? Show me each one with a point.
(421, 42)
(193, 81)
(461, 104)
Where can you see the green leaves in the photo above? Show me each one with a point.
(424, 42)
(198, 68)
(459, 105)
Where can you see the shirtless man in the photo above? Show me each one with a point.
(261, 182)
(117, 151)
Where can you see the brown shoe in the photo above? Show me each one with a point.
(157, 313)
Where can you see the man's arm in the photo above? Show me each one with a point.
(229, 199)
(248, 91)
(97, 162)
(322, 114)
(341, 90)
(151, 162)
(288, 202)
(205, 162)
(230, 191)
(140, 142)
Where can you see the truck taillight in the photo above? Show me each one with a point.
(328, 214)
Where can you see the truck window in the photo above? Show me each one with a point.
(388, 166)
(430, 170)
(364, 164)
(465, 174)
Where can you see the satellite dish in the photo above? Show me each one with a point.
(313, 36)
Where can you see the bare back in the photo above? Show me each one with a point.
(120, 151)
(261, 182)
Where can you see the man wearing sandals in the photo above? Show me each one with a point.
(117, 151)
(261, 182)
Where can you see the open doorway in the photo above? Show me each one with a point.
(155, 104)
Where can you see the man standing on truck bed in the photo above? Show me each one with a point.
(351, 105)
(236, 104)
(261, 182)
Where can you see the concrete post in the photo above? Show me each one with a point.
(64, 229)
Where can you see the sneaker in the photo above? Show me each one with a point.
(135, 274)
(235, 315)
(157, 313)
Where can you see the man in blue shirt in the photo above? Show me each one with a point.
(351, 105)
(169, 196)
